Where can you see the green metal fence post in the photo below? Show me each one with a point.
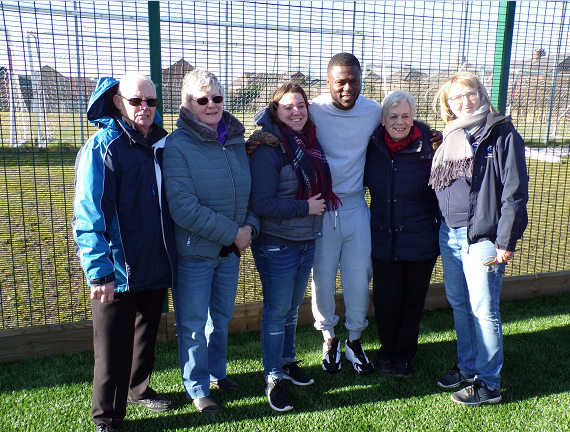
(154, 45)
(503, 46)
(156, 65)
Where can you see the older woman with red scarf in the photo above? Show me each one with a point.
(404, 220)
(291, 188)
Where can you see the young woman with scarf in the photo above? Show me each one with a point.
(291, 188)
(404, 221)
(481, 182)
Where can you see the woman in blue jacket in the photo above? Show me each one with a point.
(207, 179)
(480, 178)
(291, 187)
(405, 223)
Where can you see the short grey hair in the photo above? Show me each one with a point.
(396, 98)
(134, 77)
(201, 80)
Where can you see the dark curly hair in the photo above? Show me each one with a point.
(343, 59)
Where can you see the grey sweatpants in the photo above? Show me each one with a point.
(345, 241)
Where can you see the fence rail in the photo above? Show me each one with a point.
(53, 52)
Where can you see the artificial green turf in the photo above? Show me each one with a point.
(53, 393)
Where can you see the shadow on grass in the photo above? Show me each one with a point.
(533, 369)
(534, 362)
(535, 366)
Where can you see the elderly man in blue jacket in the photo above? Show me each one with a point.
(125, 240)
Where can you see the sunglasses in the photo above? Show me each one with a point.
(204, 100)
(138, 101)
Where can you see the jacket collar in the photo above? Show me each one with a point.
(189, 121)
(155, 133)
(421, 145)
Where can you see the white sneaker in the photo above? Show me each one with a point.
(331, 356)
(357, 357)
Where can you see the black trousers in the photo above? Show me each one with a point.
(124, 339)
(399, 295)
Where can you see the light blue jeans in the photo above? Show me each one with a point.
(473, 293)
(204, 298)
(284, 272)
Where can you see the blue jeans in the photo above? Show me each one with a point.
(284, 272)
(204, 298)
(473, 293)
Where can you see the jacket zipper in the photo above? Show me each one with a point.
(232, 179)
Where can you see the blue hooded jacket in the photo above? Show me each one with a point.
(121, 224)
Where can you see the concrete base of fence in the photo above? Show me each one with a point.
(17, 344)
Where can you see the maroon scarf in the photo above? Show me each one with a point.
(396, 146)
(310, 165)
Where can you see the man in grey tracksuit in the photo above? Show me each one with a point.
(344, 121)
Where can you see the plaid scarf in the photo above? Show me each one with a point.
(395, 146)
(310, 165)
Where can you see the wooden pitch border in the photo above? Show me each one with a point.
(17, 344)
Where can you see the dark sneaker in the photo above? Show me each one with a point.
(331, 356)
(356, 355)
(157, 403)
(403, 370)
(476, 394)
(225, 384)
(384, 365)
(104, 428)
(296, 375)
(277, 396)
(455, 378)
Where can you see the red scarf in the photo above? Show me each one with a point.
(395, 146)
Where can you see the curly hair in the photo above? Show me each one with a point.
(343, 59)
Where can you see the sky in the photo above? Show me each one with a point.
(231, 38)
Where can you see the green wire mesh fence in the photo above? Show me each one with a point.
(52, 54)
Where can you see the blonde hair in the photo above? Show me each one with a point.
(466, 79)
(198, 79)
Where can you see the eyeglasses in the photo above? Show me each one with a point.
(204, 100)
(138, 101)
(471, 96)
(491, 263)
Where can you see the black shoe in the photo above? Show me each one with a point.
(104, 428)
(277, 396)
(384, 365)
(476, 395)
(157, 403)
(357, 357)
(331, 356)
(455, 378)
(296, 375)
(403, 370)
(206, 405)
(225, 384)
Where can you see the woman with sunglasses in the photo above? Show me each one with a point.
(480, 179)
(207, 180)
(291, 188)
